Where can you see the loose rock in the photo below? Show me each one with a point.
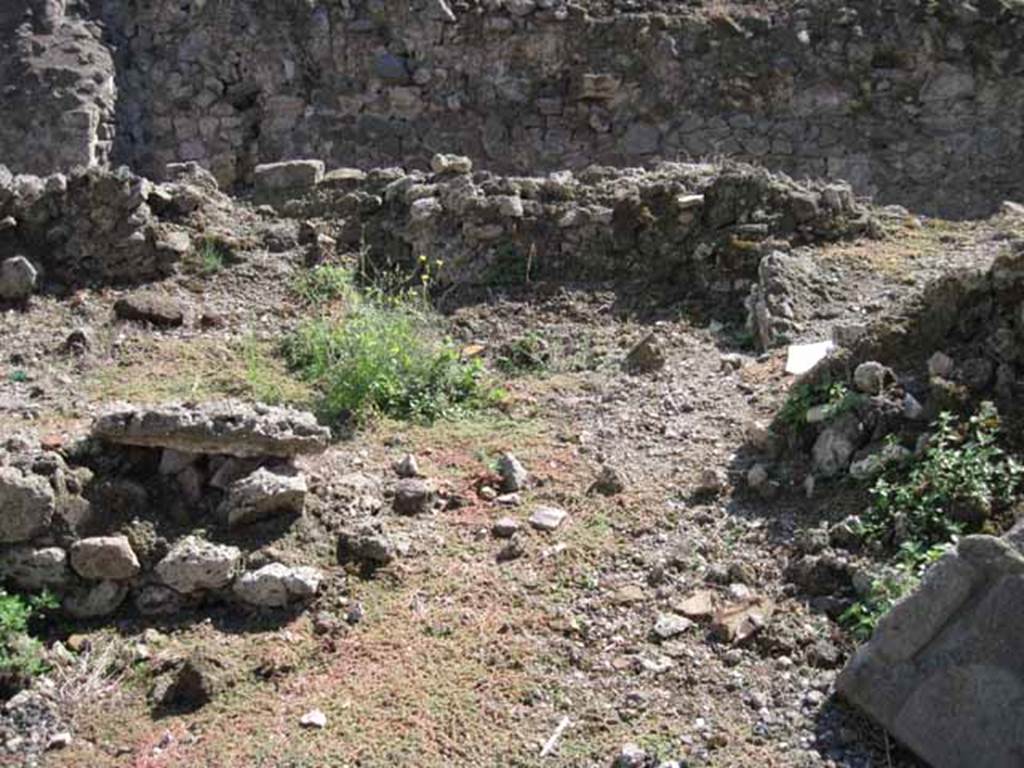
(17, 279)
(407, 466)
(104, 557)
(670, 625)
(366, 545)
(609, 482)
(872, 378)
(547, 518)
(150, 307)
(413, 497)
(736, 623)
(276, 585)
(314, 719)
(514, 476)
(195, 564)
(697, 605)
(647, 356)
(505, 528)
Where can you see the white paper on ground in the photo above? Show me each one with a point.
(800, 358)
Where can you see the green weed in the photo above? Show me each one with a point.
(861, 618)
(384, 357)
(210, 257)
(961, 484)
(526, 354)
(323, 284)
(20, 653)
(835, 396)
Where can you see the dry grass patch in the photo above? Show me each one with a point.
(154, 369)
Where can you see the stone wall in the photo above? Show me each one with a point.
(701, 227)
(917, 103)
(94, 226)
(57, 90)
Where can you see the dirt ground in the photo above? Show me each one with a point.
(448, 657)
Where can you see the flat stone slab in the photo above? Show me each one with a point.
(224, 427)
(943, 672)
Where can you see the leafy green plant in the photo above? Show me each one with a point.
(20, 653)
(743, 338)
(835, 396)
(323, 284)
(861, 618)
(384, 357)
(961, 482)
(526, 354)
(863, 615)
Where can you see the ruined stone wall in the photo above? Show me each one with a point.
(921, 104)
(702, 226)
(57, 90)
(94, 226)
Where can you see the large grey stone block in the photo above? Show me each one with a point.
(944, 672)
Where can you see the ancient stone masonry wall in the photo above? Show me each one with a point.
(57, 89)
(94, 226)
(921, 104)
(917, 103)
(699, 227)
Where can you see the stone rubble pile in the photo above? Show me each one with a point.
(942, 672)
(225, 465)
(87, 226)
(958, 345)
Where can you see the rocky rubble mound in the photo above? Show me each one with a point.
(940, 672)
(868, 402)
(703, 225)
(149, 505)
